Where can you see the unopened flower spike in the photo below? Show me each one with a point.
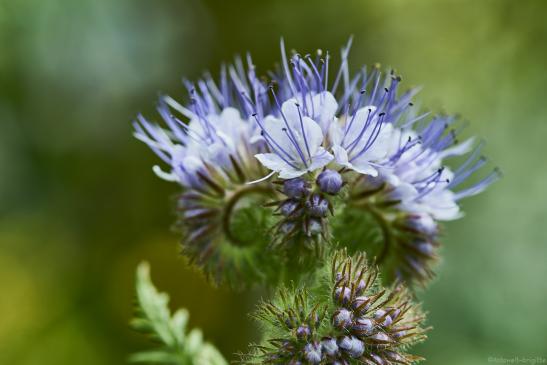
(347, 318)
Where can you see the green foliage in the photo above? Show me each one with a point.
(154, 318)
(297, 320)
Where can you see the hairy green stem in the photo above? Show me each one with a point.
(232, 203)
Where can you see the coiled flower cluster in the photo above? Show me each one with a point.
(296, 176)
(359, 323)
(304, 209)
(336, 156)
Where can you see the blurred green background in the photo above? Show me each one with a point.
(80, 207)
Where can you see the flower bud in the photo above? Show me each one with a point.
(377, 359)
(303, 332)
(295, 188)
(329, 346)
(342, 295)
(394, 356)
(398, 332)
(363, 326)
(426, 248)
(317, 206)
(314, 227)
(342, 318)
(382, 317)
(380, 338)
(288, 207)
(352, 345)
(312, 353)
(361, 304)
(330, 182)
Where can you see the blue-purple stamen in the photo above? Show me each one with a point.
(303, 132)
(302, 85)
(289, 129)
(161, 154)
(480, 186)
(315, 72)
(372, 138)
(276, 148)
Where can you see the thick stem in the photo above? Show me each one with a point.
(232, 203)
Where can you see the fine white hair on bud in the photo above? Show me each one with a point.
(367, 325)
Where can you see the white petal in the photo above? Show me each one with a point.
(335, 134)
(313, 134)
(321, 159)
(272, 161)
(276, 163)
(355, 125)
(273, 128)
(291, 173)
(340, 155)
(404, 192)
(442, 206)
(324, 109)
(290, 111)
(379, 149)
(363, 167)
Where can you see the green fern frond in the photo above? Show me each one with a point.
(154, 318)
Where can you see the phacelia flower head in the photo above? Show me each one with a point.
(355, 321)
(309, 140)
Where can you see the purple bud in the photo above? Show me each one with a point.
(393, 356)
(340, 276)
(425, 247)
(381, 315)
(342, 318)
(380, 338)
(342, 295)
(362, 303)
(312, 352)
(330, 347)
(361, 286)
(398, 332)
(352, 345)
(303, 332)
(288, 207)
(317, 206)
(377, 359)
(314, 227)
(423, 222)
(363, 326)
(395, 312)
(330, 181)
(295, 188)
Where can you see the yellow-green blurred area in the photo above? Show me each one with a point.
(80, 206)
